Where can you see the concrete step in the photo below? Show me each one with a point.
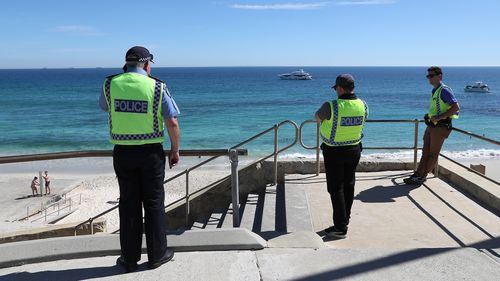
(282, 208)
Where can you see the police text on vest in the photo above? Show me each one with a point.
(351, 121)
(132, 106)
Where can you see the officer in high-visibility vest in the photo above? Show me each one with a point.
(138, 105)
(443, 108)
(342, 121)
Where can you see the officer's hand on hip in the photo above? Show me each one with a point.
(173, 158)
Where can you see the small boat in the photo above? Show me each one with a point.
(296, 75)
(477, 87)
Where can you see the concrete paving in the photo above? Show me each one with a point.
(397, 232)
(278, 264)
(41, 250)
(389, 214)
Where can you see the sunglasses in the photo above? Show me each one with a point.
(334, 87)
(431, 75)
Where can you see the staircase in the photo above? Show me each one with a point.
(269, 212)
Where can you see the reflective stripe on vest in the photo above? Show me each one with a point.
(152, 133)
(344, 127)
(437, 105)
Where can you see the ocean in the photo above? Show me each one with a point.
(53, 110)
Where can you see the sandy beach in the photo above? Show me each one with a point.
(91, 180)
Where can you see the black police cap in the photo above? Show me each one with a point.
(138, 54)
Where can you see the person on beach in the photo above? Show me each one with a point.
(34, 185)
(47, 182)
(443, 108)
(342, 122)
(138, 105)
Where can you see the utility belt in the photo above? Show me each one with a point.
(444, 123)
(326, 147)
(145, 146)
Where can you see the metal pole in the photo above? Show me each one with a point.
(45, 215)
(92, 227)
(436, 168)
(27, 211)
(187, 197)
(415, 147)
(318, 164)
(275, 154)
(41, 182)
(233, 157)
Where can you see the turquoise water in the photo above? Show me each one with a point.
(47, 110)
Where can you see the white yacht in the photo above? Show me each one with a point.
(296, 75)
(477, 87)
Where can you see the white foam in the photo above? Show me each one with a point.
(467, 154)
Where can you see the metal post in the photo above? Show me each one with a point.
(70, 204)
(233, 157)
(275, 154)
(92, 227)
(187, 197)
(436, 168)
(41, 182)
(45, 215)
(318, 164)
(415, 147)
(27, 211)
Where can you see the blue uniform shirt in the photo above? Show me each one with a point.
(169, 108)
(446, 95)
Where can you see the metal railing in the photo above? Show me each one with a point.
(415, 147)
(472, 135)
(232, 152)
(66, 203)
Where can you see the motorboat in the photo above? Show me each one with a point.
(296, 75)
(477, 87)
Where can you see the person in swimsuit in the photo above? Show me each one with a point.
(34, 184)
(47, 183)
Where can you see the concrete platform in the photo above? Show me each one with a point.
(388, 214)
(397, 232)
(278, 264)
(42, 250)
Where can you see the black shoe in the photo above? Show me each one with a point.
(169, 254)
(129, 266)
(334, 232)
(415, 179)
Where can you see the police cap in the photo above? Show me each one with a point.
(138, 54)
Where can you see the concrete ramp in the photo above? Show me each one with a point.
(388, 214)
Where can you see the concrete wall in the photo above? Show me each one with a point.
(53, 231)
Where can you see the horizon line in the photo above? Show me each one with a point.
(243, 66)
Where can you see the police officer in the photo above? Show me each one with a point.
(443, 108)
(138, 105)
(342, 123)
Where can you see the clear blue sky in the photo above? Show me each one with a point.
(91, 33)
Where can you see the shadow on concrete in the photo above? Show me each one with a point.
(27, 196)
(70, 274)
(392, 260)
(459, 213)
(384, 194)
(392, 177)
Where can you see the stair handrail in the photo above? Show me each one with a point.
(186, 172)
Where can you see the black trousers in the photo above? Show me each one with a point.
(340, 167)
(141, 171)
